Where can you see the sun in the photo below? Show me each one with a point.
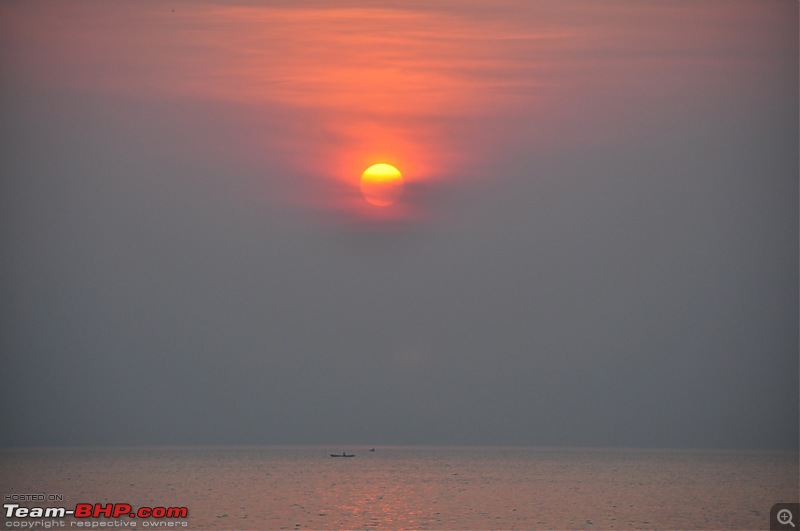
(381, 184)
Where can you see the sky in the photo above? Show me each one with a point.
(596, 244)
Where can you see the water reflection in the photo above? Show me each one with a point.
(391, 507)
(414, 487)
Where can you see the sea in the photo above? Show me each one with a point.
(399, 487)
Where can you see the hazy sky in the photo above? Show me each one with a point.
(597, 244)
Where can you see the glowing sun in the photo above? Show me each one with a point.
(381, 184)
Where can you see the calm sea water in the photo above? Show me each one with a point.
(417, 487)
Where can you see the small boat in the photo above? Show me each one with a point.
(343, 455)
(372, 449)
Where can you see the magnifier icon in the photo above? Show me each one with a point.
(785, 517)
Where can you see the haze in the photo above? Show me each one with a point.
(597, 244)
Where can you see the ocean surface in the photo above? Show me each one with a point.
(410, 487)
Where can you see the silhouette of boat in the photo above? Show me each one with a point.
(343, 455)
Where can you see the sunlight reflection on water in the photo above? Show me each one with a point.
(420, 487)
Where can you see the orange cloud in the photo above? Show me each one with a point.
(437, 92)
